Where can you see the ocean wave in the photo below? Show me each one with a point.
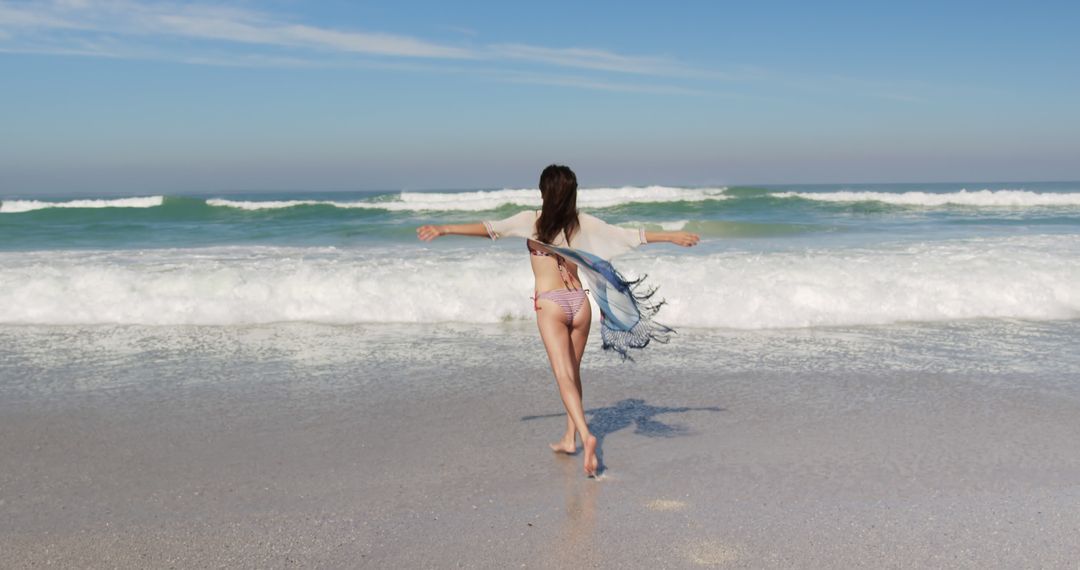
(269, 204)
(17, 206)
(483, 200)
(730, 228)
(673, 226)
(1033, 277)
(1000, 198)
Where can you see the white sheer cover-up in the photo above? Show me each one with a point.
(593, 235)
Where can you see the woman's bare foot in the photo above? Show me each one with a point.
(591, 463)
(567, 445)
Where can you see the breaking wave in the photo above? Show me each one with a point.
(1029, 277)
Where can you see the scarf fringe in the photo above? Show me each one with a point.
(646, 329)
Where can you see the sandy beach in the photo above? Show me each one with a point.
(253, 448)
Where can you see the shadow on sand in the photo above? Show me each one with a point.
(630, 412)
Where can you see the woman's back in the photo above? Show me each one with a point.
(592, 235)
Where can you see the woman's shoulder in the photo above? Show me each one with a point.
(524, 216)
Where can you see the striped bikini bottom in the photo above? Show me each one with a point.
(570, 300)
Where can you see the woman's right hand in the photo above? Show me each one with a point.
(685, 239)
(429, 232)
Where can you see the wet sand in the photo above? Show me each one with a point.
(211, 454)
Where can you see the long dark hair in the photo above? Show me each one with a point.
(558, 188)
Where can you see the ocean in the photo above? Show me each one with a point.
(158, 291)
(776, 257)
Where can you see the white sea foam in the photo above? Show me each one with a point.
(490, 199)
(674, 226)
(269, 204)
(1032, 277)
(16, 206)
(1001, 198)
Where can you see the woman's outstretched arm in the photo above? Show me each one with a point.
(685, 239)
(430, 232)
(518, 225)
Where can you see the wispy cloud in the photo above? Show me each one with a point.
(33, 16)
(597, 84)
(193, 21)
(298, 35)
(42, 26)
(587, 59)
(205, 34)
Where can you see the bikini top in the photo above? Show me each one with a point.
(544, 253)
(540, 253)
(563, 272)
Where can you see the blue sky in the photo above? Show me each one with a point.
(130, 97)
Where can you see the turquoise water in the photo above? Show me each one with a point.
(771, 257)
(356, 219)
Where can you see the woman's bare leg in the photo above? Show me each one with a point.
(579, 335)
(551, 320)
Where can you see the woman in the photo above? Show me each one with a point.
(563, 313)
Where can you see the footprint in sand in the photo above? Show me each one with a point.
(665, 505)
(711, 553)
(705, 552)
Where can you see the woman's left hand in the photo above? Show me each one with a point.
(685, 239)
(429, 232)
